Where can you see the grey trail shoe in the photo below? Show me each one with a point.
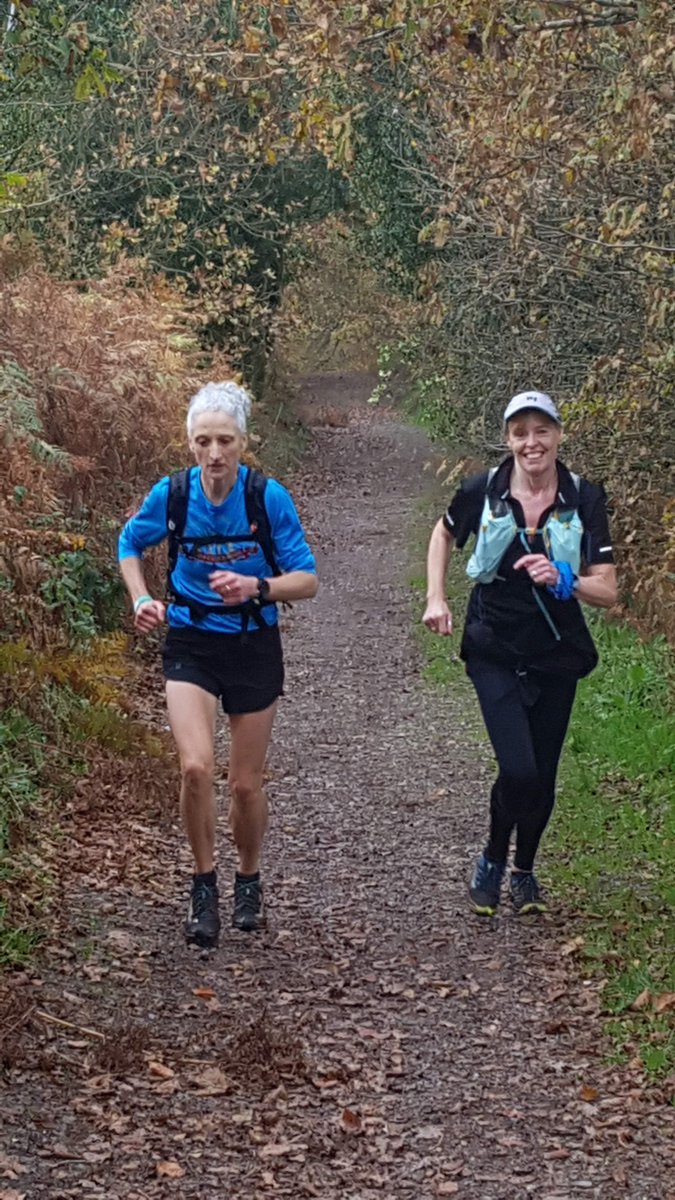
(526, 894)
(249, 911)
(202, 925)
(485, 886)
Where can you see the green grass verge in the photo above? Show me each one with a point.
(609, 853)
(22, 760)
(612, 841)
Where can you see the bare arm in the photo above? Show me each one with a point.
(236, 589)
(598, 586)
(296, 585)
(153, 612)
(131, 570)
(437, 616)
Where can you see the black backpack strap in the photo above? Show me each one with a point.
(176, 515)
(260, 527)
(256, 515)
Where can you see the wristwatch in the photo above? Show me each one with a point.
(263, 591)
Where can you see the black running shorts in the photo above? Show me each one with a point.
(245, 673)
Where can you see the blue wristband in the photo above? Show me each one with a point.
(140, 601)
(567, 581)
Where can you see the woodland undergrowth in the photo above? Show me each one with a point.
(93, 383)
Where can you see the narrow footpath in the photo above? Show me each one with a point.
(378, 1042)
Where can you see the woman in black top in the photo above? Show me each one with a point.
(542, 545)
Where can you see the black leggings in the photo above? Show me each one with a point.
(526, 716)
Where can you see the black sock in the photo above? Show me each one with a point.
(209, 877)
(249, 878)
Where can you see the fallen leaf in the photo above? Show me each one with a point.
(589, 1093)
(170, 1170)
(447, 1189)
(160, 1070)
(571, 946)
(99, 1083)
(275, 1149)
(211, 1082)
(11, 1167)
(350, 1121)
(61, 1151)
(11, 1194)
(243, 1118)
(396, 1066)
(166, 1087)
(204, 993)
(642, 1000)
(439, 794)
(663, 1002)
(554, 1027)
(556, 994)
(430, 1133)
(121, 939)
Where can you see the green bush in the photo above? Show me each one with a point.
(87, 597)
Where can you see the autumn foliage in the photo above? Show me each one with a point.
(507, 167)
(93, 386)
(511, 173)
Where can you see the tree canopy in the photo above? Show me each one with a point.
(509, 166)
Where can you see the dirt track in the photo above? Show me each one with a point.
(378, 1041)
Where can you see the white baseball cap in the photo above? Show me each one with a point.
(538, 400)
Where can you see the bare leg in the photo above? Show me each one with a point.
(250, 738)
(192, 714)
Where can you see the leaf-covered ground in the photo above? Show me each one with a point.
(378, 1041)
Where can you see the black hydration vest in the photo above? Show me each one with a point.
(259, 531)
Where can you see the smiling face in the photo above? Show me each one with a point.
(533, 439)
(217, 444)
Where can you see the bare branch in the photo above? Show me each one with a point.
(582, 21)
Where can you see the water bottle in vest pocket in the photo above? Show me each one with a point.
(497, 531)
(565, 531)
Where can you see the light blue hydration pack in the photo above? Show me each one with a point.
(561, 533)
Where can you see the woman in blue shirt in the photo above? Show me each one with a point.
(223, 640)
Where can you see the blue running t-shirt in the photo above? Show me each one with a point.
(191, 577)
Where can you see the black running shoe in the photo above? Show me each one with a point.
(249, 914)
(203, 923)
(485, 886)
(526, 893)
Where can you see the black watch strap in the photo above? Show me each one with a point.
(263, 591)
